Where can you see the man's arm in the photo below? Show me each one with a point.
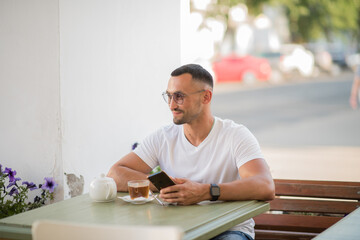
(355, 91)
(256, 183)
(130, 167)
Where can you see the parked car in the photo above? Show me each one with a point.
(246, 68)
(296, 58)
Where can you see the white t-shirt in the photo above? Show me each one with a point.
(216, 160)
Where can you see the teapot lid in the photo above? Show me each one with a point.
(103, 178)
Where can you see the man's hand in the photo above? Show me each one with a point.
(185, 192)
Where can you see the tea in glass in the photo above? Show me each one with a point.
(138, 188)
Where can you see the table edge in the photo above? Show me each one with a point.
(226, 222)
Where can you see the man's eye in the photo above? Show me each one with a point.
(178, 95)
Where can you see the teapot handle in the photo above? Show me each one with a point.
(109, 192)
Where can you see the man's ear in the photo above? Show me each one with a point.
(207, 96)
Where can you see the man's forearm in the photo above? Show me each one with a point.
(257, 187)
(187, 192)
(122, 175)
(355, 86)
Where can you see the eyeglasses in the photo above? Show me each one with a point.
(178, 97)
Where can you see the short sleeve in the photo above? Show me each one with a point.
(245, 146)
(148, 149)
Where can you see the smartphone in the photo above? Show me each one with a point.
(161, 180)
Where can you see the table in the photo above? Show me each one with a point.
(348, 228)
(200, 221)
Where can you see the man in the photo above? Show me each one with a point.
(209, 158)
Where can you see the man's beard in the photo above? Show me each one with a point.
(185, 118)
(180, 121)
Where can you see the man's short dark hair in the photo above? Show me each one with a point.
(196, 71)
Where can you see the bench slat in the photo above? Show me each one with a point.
(340, 190)
(341, 183)
(297, 223)
(315, 206)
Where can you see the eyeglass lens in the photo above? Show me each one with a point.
(178, 97)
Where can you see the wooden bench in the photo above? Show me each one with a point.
(302, 208)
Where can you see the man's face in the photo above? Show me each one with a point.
(192, 91)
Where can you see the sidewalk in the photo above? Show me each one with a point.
(314, 163)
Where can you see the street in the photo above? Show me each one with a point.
(305, 125)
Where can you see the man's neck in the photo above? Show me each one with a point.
(196, 132)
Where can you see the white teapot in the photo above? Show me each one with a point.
(103, 189)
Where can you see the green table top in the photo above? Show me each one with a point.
(200, 221)
(347, 228)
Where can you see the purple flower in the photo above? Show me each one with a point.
(13, 191)
(13, 182)
(134, 146)
(30, 185)
(49, 184)
(11, 174)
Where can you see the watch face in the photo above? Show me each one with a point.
(215, 191)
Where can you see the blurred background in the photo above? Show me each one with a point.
(285, 69)
(273, 40)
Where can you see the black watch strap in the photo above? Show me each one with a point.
(214, 192)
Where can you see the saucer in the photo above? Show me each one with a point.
(140, 200)
(104, 201)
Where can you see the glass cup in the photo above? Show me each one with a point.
(138, 188)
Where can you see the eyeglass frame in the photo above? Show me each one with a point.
(168, 97)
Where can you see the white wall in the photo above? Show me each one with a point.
(81, 81)
(29, 89)
(116, 58)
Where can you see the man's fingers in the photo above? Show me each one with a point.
(168, 195)
(174, 188)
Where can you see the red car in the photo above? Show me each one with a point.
(247, 68)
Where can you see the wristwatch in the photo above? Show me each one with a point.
(214, 192)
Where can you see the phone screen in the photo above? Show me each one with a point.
(161, 180)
